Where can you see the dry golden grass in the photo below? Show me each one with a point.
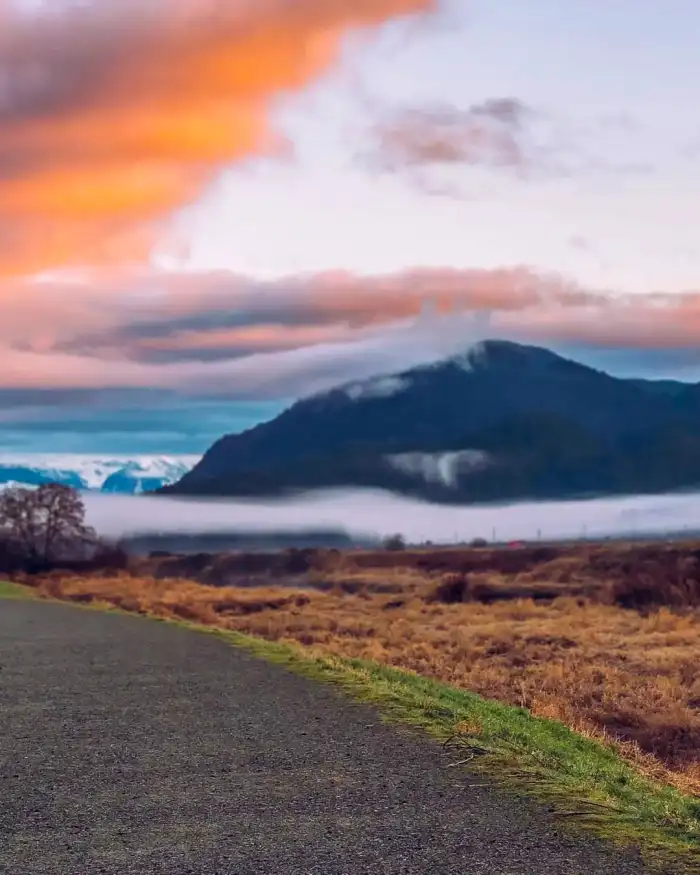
(597, 667)
(630, 575)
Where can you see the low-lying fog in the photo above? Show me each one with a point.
(378, 514)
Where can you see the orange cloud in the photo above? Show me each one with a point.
(119, 111)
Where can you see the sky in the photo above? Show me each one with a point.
(209, 208)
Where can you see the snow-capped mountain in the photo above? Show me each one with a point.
(116, 474)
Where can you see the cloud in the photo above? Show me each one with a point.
(490, 134)
(428, 143)
(505, 135)
(232, 336)
(113, 113)
(364, 511)
(443, 468)
(156, 317)
(379, 387)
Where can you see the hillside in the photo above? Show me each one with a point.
(503, 421)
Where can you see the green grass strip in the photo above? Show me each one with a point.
(583, 781)
(15, 591)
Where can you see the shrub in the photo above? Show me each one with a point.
(394, 543)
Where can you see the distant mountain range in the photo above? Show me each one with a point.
(504, 421)
(123, 475)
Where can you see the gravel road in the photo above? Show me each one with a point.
(128, 746)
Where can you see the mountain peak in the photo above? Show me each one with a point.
(506, 354)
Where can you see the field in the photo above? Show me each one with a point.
(605, 639)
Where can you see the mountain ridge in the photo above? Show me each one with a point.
(505, 420)
(114, 474)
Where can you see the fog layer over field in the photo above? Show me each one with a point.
(377, 514)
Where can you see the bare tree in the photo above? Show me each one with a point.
(46, 524)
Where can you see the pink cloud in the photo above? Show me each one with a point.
(227, 333)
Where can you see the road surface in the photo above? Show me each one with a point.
(128, 746)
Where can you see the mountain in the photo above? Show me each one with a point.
(503, 421)
(106, 474)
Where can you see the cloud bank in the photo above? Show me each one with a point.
(375, 513)
(236, 337)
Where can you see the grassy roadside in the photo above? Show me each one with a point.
(15, 591)
(583, 781)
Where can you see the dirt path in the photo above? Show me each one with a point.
(128, 746)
